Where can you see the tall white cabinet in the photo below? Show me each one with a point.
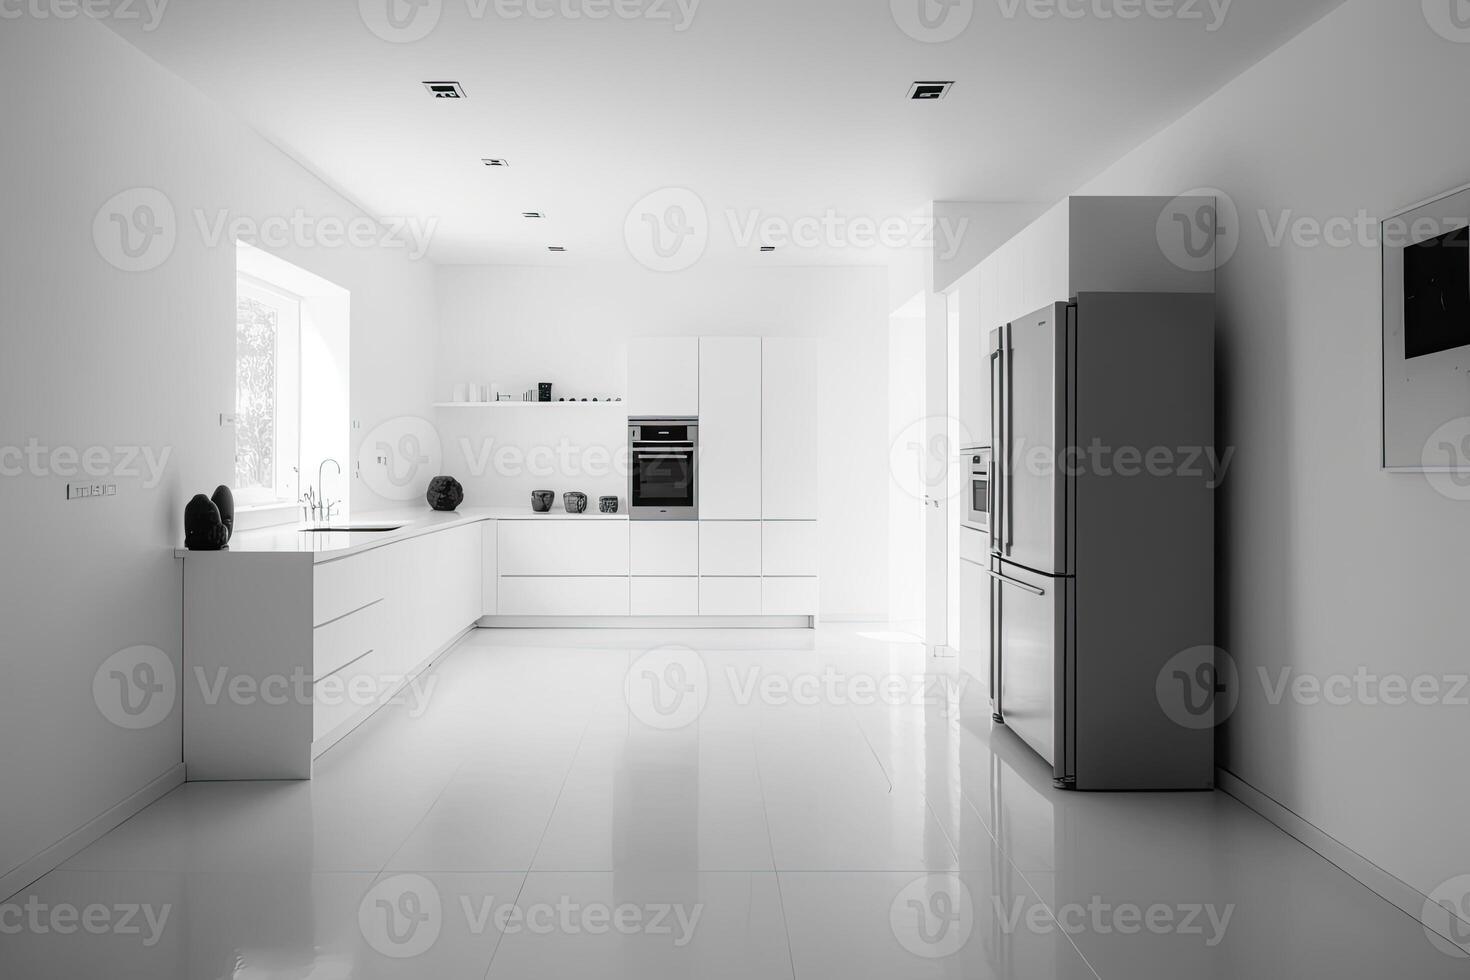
(730, 417)
(789, 371)
(663, 376)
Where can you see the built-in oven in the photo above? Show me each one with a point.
(663, 469)
(977, 509)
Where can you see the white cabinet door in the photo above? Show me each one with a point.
(489, 570)
(552, 546)
(563, 596)
(665, 596)
(789, 596)
(789, 548)
(974, 644)
(729, 547)
(729, 597)
(664, 547)
(347, 584)
(663, 376)
(789, 429)
(730, 428)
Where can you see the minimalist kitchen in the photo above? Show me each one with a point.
(551, 489)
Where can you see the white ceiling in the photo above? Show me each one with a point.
(782, 108)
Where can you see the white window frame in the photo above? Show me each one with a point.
(288, 395)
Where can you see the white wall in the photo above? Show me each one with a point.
(1329, 564)
(94, 356)
(570, 326)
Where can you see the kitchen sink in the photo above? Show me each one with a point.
(351, 527)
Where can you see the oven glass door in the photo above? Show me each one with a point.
(979, 504)
(663, 478)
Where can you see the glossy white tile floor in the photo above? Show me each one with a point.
(571, 806)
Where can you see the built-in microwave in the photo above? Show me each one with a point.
(978, 488)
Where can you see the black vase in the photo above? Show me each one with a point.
(445, 493)
(203, 529)
(224, 501)
(541, 500)
(574, 502)
(608, 505)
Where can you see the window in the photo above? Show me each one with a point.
(267, 393)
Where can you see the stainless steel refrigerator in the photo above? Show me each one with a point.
(1102, 534)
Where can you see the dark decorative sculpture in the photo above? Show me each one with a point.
(574, 502)
(203, 529)
(445, 493)
(541, 500)
(608, 505)
(224, 500)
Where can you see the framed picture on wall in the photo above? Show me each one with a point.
(1426, 336)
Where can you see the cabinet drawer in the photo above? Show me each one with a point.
(362, 684)
(789, 548)
(669, 548)
(563, 596)
(729, 548)
(729, 597)
(665, 596)
(347, 584)
(974, 546)
(345, 639)
(568, 547)
(789, 596)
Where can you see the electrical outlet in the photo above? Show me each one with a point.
(79, 491)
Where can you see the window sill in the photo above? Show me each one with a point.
(251, 516)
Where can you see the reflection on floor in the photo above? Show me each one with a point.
(743, 804)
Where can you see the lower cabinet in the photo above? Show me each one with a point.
(789, 596)
(974, 643)
(665, 597)
(554, 595)
(729, 596)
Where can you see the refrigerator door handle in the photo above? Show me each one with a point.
(1010, 436)
(997, 467)
(1007, 580)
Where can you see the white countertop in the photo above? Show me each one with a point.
(293, 539)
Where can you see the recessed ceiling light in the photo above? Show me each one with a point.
(495, 161)
(556, 248)
(929, 91)
(533, 214)
(768, 248)
(445, 90)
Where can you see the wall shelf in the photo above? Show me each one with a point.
(578, 404)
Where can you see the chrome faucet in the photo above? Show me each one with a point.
(315, 506)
